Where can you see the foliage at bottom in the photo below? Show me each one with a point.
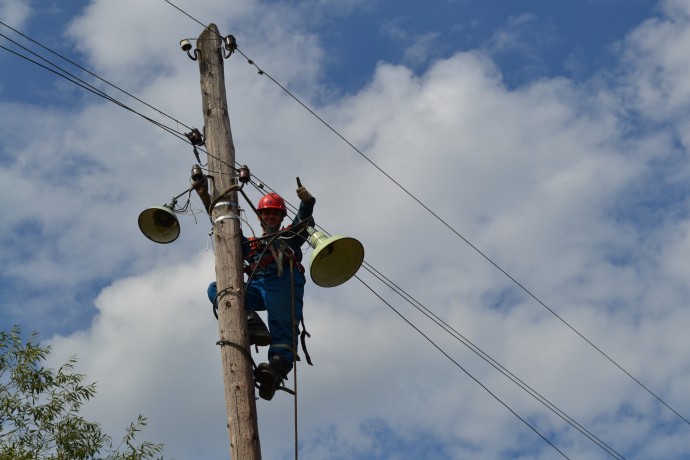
(39, 410)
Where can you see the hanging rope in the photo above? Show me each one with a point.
(294, 350)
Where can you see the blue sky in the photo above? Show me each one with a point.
(548, 35)
(553, 136)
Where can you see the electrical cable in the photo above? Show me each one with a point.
(461, 367)
(276, 235)
(491, 361)
(479, 352)
(94, 75)
(475, 349)
(612, 452)
(447, 225)
(81, 83)
(85, 85)
(185, 13)
(475, 248)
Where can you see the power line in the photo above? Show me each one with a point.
(88, 87)
(447, 225)
(461, 367)
(474, 348)
(469, 243)
(491, 361)
(185, 13)
(61, 72)
(83, 84)
(91, 73)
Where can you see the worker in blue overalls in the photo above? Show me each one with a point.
(273, 288)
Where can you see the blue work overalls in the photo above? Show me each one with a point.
(269, 291)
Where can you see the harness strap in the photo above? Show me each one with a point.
(286, 389)
(279, 260)
(304, 334)
(303, 339)
(267, 260)
(273, 256)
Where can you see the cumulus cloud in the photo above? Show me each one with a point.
(549, 180)
(655, 54)
(420, 49)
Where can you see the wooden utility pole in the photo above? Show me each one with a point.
(232, 321)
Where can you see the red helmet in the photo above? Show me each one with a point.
(272, 201)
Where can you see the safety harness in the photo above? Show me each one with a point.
(270, 255)
(278, 255)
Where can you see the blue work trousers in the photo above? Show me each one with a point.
(274, 295)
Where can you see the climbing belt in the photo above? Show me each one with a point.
(244, 351)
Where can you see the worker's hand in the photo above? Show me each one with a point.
(302, 192)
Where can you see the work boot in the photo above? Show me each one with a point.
(258, 332)
(269, 376)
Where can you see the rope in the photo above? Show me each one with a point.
(294, 351)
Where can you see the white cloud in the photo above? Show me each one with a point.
(546, 179)
(420, 48)
(656, 56)
(15, 12)
(151, 350)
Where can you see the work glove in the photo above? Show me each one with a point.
(302, 192)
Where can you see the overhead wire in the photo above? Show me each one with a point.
(474, 247)
(63, 73)
(477, 350)
(368, 268)
(491, 361)
(449, 227)
(83, 84)
(523, 420)
(474, 348)
(94, 74)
